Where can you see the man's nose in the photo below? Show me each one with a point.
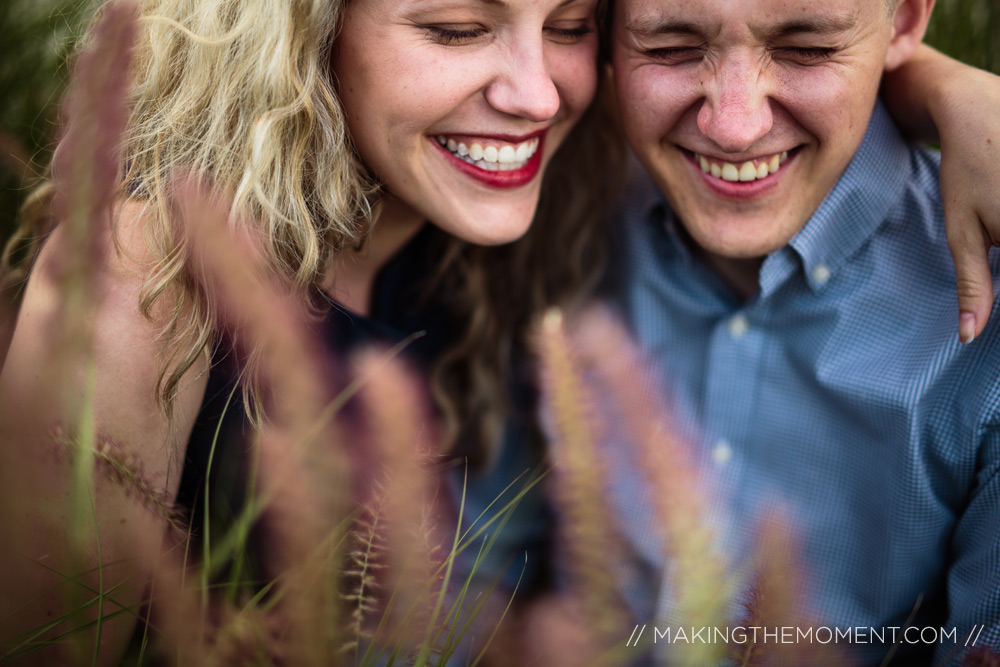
(523, 85)
(736, 111)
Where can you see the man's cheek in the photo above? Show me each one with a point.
(656, 97)
(817, 99)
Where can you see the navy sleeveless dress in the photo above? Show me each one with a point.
(400, 308)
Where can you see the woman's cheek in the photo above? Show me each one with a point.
(575, 75)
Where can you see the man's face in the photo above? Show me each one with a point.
(746, 112)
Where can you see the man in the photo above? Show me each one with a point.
(789, 275)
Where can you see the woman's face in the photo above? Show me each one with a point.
(459, 105)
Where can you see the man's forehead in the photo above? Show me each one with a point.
(710, 17)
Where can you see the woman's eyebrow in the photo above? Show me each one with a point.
(502, 3)
(419, 4)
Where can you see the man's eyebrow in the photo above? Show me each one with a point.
(651, 25)
(818, 25)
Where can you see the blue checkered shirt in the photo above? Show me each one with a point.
(839, 393)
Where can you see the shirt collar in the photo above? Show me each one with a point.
(851, 213)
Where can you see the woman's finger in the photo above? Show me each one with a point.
(970, 244)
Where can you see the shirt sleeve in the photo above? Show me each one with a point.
(974, 575)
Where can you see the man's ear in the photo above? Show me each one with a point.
(909, 23)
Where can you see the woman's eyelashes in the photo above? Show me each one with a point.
(455, 34)
(570, 33)
(459, 34)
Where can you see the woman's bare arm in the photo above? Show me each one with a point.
(936, 98)
(40, 389)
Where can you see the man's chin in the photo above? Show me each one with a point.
(739, 239)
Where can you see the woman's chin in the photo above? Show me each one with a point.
(487, 234)
(489, 225)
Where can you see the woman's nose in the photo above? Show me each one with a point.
(523, 85)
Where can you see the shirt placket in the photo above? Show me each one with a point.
(735, 353)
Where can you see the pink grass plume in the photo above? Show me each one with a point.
(87, 173)
(304, 470)
(87, 164)
(579, 484)
(400, 429)
(700, 584)
(982, 656)
(778, 598)
(258, 311)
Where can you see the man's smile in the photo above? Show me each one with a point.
(744, 171)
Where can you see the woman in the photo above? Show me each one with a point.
(267, 119)
(339, 129)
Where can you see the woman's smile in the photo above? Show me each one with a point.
(459, 107)
(497, 161)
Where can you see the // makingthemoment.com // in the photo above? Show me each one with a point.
(802, 635)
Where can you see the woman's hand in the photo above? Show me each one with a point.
(936, 98)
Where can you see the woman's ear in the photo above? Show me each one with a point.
(909, 23)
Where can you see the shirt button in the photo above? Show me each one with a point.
(738, 325)
(722, 452)
(821, 273)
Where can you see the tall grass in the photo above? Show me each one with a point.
(361, 557)
(38, 36)
(314, 482)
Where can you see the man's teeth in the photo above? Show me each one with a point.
(501, 157)
(745, 172)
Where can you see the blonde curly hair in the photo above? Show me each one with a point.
(242, 92)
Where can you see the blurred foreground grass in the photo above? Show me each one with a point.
(38, 34)
(35, 38)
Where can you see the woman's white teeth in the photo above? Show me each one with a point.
(491, 157)
(753, 170)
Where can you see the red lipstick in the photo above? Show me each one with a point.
(514, 178)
